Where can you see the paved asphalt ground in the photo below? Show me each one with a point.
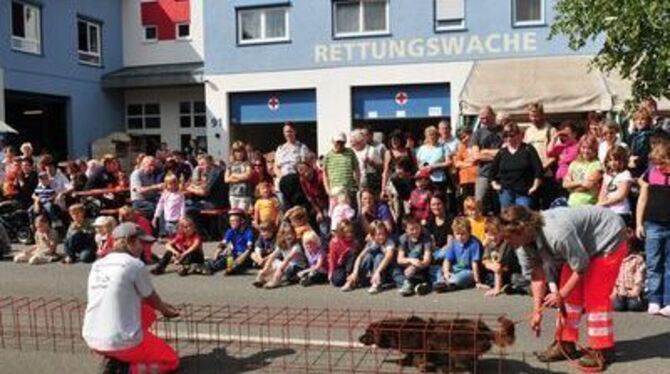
(643, 341)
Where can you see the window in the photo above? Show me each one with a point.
(150, 33)
(361, 17)
(528, 12)
(143, 116)
(183, 30)
(89, 42)
(192, 114)
(26, 28)
(449, 15)
(262, 25)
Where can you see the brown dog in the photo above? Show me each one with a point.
(432, 344)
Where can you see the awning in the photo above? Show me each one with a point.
(563, 84)
(621, 91)
(267, 107)
(408, 101)
(6, 129)
(155, 76)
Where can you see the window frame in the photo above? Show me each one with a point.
(361, 20)
(446, 28)
(144, 34)
(17, 43)
(186, 37)
(143, 117)
(98, 25)
(263, 11)
(540, 22)
(192, 114)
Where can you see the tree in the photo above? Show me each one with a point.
(635, 37)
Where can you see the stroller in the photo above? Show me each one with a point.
(15, 220)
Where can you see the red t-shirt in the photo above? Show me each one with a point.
(183, 242)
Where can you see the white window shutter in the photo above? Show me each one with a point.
(449, 10)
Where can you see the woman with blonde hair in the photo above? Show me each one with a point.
(432, 158)
(587, 244)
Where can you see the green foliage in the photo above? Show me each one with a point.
(635, 35)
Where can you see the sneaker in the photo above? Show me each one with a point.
(406, 289)
(374, 289)
(557, 351)
(68, 260)
(347, 287)
(306, 281)
(184, 270)
(665, 311)
(258, 283)
(440, 287)
(653, 308)
(112, 366)
(594, 361)
(422, 289)
(158, 270)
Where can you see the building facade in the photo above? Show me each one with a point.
(53, 55)
(333, 65)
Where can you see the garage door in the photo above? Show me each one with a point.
(268, 107)
(401, 101)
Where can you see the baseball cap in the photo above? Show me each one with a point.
(422, 174)
(128, 229)
(340, 137)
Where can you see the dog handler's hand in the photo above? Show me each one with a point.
(553, 299)
(536, 322)
(169, 311)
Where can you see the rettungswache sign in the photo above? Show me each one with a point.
(434, 47)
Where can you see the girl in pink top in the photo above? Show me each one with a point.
(565, 147)
(171, 206)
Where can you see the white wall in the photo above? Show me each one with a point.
(136, 51)
(169, 99)
(333, 93)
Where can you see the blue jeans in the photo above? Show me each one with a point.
(462, 279)
(146, 207)
(508, 198)
(657, 248)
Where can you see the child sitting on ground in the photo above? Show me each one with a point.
(374, 262)
(419, 200)
(298, 218)
(317, 260)
(342, 252)
(236, 247)
(342, 209)
(80, 238)
(499, 260)
(104, 225)
(184, 249)
(414, 256)
(473, 210)
(628, 293)
(171, 207)
(267, 207)
(44, 250)
(462, 256)
(285, 262)
(265, 244)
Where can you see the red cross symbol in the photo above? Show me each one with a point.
(165, 15)
(401, 98)
(273, 103)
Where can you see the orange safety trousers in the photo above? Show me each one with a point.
(153, 355)
(591, 297)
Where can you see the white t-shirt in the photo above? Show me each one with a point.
(612, 184)
(117, 284)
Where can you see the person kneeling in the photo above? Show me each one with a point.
(460, 268)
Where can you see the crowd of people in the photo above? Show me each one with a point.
(436, 217)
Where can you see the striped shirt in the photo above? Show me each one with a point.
(44, 193)
(340, 168)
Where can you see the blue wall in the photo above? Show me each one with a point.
(311, 31)
(92, 112)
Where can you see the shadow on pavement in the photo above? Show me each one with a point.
(512, 366)
(655, 346)
(218, 361)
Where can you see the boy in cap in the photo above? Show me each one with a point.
(235, 248)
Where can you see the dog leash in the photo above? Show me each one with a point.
(572, 362)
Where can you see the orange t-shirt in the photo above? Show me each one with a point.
(466, 175)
